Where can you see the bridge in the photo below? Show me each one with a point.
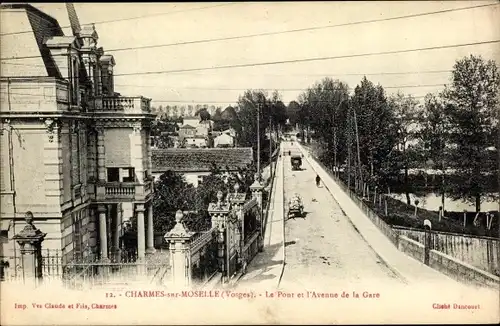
(336, 247)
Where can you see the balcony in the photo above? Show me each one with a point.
(123, 104)
(123, 191)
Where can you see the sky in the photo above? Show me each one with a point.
(125, 25)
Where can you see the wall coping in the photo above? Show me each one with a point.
(403, 237)
(397, 227)
(475, 269)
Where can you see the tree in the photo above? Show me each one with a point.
(375, 133)
(217, 115)
(472, 108)
(249, 115)
(406, 115)
(434, 133)
(292, 112)
(172, 193)
(204, 115)
(322, 111)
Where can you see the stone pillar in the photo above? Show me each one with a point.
(91, 229)
(136, 151)
(103, 232)
(116, 236)
(141, 233)
(427, 241)
(237, 201)
(30, 240)
(101, 162)
(150, 153)
(151, 235)
(178, 239)
(219, 213)
(256, 189)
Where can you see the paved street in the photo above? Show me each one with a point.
(324, 247)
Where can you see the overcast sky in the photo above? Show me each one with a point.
(189, 22)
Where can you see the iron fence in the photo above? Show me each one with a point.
(204, 253)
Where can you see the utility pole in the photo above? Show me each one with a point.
(357, 144)
(348, 151)
(258, 141)
(270, 147)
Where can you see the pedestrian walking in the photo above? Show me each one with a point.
(318, 180)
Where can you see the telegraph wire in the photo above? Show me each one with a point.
(231, 38)
(257, 64)
(270, 63)
(126, 19)
(164, 101)
(276, 33)
(290, 74)
(267, 89)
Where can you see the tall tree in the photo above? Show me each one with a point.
(406, 114)
(434, 134)
(375, 134)
(292, 112)
(172, 193)
(473, 100)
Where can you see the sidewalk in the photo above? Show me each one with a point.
(265, 269)
(411, 270)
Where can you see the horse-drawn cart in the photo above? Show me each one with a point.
(295, 207)
(296, 162)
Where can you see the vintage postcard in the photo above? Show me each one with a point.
(249, 163)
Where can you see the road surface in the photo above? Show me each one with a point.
(324, 247)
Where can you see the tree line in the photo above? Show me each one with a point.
(369, 137)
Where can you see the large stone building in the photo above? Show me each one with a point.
(73, 152)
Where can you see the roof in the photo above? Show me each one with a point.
(34, 53)
(187, 127)
(200, 159)
(224, 136)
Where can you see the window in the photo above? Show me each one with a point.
(121, 174)
(113, 174)
(128, 175)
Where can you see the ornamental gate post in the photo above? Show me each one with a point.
(256, 189)
(237, 201)
(30, 240)
(179, 240)
(219, 213)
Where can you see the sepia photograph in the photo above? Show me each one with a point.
(255, 163)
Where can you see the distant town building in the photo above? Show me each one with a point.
(194, 164)
(224, 140)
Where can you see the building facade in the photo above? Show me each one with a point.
(73, 151)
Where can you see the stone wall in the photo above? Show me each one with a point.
(461, 271)
(480, 252)
(411, 247)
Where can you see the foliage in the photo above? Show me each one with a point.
(256, 108)
(292, 112)
(405, 119)
(172, 193)
(472, 109)
(323, 108)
